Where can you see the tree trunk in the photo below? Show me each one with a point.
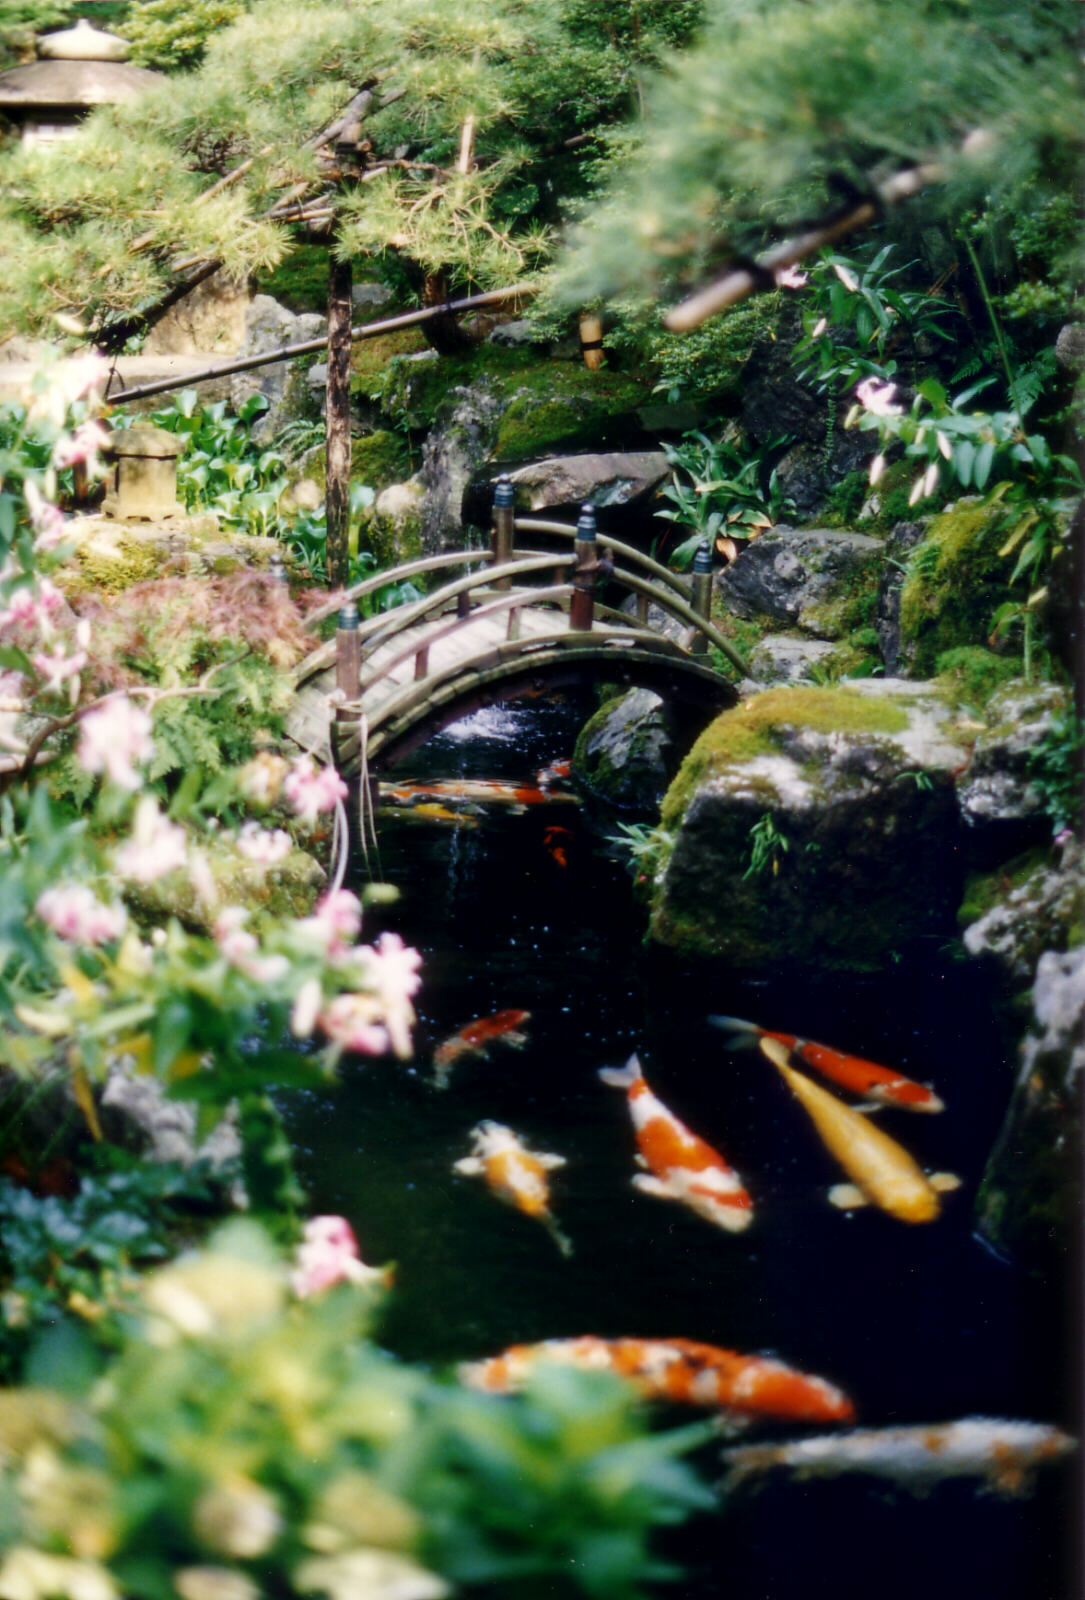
(337, 457)
(444, 333)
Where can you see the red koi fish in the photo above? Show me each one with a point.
(880, 1085)
(678, 1370)
(680, 1165)
(515, 1174)
(554, 840)
(475, 1039)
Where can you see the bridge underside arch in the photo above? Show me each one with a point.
(694, 693)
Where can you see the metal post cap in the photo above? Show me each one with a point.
(504, 493)
(702, 561)
(585, 528)
(348, 617)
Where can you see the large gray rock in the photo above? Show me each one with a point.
(626, 754)
(270, 326)
(599, 480)
(1037, 906)
(808, 576)
(855, 853)
(459, 441)
(998, 785)
(1029, 1204)
(789, 658)
(903, 538)
(210, 320)
(658, 620)
(136, 1109)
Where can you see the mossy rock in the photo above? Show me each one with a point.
(955, 581)
(379, 459)
(287, 889)
(971, 674)
(853, 859)
(392, 526)
(370, 359)
(110, 556)
(625, 753)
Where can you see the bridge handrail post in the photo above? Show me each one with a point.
(702, 593)
(348, 653)
(503, 535)
(585, 572)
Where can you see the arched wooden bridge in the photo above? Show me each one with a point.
(501, 630)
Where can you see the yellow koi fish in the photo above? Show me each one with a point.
(515, 1174)
(881, 1170)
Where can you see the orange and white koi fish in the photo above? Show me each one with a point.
(430, 811)
(1005, 1455)
(486, 791)
(879, 1085)
(475, 1039)
(515, 1174)
(882, 1171)
(680, 1165)
(557, 841)
(553, 773)
(679, 1370)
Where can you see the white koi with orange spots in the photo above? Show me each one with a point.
(680, 1165)
(515, 1174)
(678, 1370)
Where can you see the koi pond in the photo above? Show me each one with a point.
(918, 1325)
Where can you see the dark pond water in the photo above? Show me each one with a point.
(918, 1324)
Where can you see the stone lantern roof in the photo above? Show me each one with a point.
(80, 68)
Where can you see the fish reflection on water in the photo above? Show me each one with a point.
(1004, 1455)
(678, 1370)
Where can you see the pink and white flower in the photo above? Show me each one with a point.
(877, 467)
(328, 1254)
(335, 923)
(847, 278)
(65, 382)
(113, 738)
(32, 606)
(311, 791)
(877, 397)
(81, 445)
(354, 1021)
(266, 846)
(790, 278)
(156, 847)
(74, 912)
(241, 948)
(46, 519)
(306, 1008)
(58, 667)
(392, 969)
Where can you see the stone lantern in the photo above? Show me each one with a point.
(142, 486)
(78, 68)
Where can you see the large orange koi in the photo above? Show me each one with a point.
(680, 1370)
(680, 1165)
(880, 1085)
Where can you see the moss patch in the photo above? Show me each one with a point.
(955, 581)
(288, 889)
(379, 459)
(985, 890)
(750, 730)
(300, 281)
(970, 675)
(370, 359)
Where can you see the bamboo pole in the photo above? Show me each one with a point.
(308, 347)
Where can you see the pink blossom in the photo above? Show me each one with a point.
(156, 847)
(877, 397)
(112, 738)
(72, 911)
(306, 1008)
(877, 467)
(311, 791)
(328, 1254)
(354, 1021)
(81, 445)
(391, 968)
(32, 605)
(241, 948)
(790, 278)
(58, 667)
(263, 845)
(336, 922)
(65, 382)
(46, 519)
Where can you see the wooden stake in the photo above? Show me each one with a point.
(337, 451)
(591, 341)
(467, 146)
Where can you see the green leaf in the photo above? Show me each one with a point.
(964, 456)
(981, 471)
(932, 390)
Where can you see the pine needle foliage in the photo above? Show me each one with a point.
(99, 232)
(782, 107)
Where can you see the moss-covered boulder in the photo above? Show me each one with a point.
(1029, 1203)
(379, 459)
(815, 827)
(955, 582)
(109, 555)
(1024, 907)
(287, 889)
(392, 526)
(823, 580)
(999, 791)
(625, 754)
